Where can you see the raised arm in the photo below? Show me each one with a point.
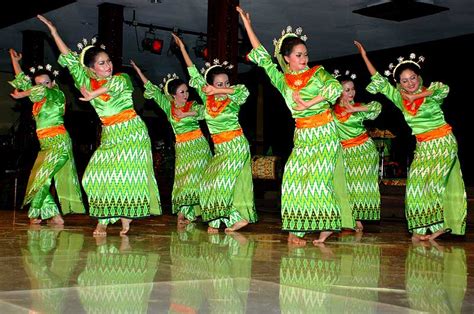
(363, 54)
(54, 32)
(15, 57)
(139, 72)
(245, 16)
(181, 46)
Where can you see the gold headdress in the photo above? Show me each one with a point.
(215, 63)
(401, 60)
(166, 80)
(287, 32)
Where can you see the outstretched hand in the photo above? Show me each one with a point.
(178, 40)
(244, 15)
(18, 94)
(180, 114)
(360, 47)
(135, 66)
(87, 95)
(48, 23)
(209, 90)
(15, 56)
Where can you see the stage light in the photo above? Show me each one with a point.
(152, 43)
(200, 49)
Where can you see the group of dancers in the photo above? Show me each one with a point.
(330, 181)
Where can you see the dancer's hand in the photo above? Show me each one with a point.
(19, 94)
(360, 48)
(301, 104)
(15, 56)
(409, 97)
(244, 15)
(87, 95)
(48, 23)
(178, 41)
(180, 114)
(209, 90)
(135, 66)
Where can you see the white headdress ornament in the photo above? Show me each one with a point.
(48, 67)
(401, 60)
(166, 80)
(215, 63)
(84, 46)
(336, 73)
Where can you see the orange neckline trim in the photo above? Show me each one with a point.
(37, 106)
(185, 108)
(341, 114)
(417, 102)
(300, 80)
(215, 107)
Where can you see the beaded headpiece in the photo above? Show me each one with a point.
(285, 33)
(166, 80)
(401, 60)
(215, 63)
(84, 46)
(347, 73)
(47, 67)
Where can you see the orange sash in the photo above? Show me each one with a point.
(123, 116)
(358, 140)
(50, 132)
(188, 136)
(226, 136)
(300, 80)
(314, 121)
(434, 134)
(37, 106)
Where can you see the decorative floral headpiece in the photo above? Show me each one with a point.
(348, 73)
(47, 67)
(215, 63)
(166, 80)
(285, 33)
(83, 46)
(401, 60)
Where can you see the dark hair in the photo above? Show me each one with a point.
(403, 67)
(289, 43)
(91, 54)
(174, 84)
(214, 72)
(43, 72)
(345, 78)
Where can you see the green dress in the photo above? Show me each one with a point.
(55, 159)
(435, 194)
(226, 185)
(361, 159)
(314, 192)
(192, 155)
(119, 180)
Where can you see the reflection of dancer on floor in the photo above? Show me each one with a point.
(435, 198)
(226, 187)
(361, 158)
(55, 159)
(119, 180)
(192, 149)
(314, 172)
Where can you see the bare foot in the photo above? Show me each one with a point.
(100, 230)
(359, 226)
(125, 225)
(419, 237)
(238, 225)
(327, 252)
(296, 241)
(238, 237)
(56, 220)
(436, 234)
(182, 220)
(322, 237)
(212, 230)
(124, 244)
(35, 221)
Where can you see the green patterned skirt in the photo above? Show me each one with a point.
(435, 192)
(54, 160)
(119, 180)
(314, 192)
(191, 160)
(226, 185)
(362, 165)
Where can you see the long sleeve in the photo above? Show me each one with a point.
(21, 82)
(262, 58)
(440, 91)
(38, 92)
(197, 81)
(374, 109)
(77, 70)
(331, 89)
(380, 84)
(240, 94)
(154, 92)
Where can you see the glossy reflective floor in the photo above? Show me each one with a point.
(159, 269)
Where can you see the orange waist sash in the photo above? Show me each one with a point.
(123, 116)
(188, 136)
(50, 132)
(226, 136)
(314, 121)
(434, 134)
(358, 140)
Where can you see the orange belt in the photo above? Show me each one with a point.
(180, 308)
(314, 121)
(50, 132)
(123, 116)
(188, 136)
(226, 136)
(358, 140)
(434, 134)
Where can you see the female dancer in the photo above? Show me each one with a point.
(119, 179)
(435, 198)
(361, 158)
(314, 173)
(55, 159)
(192, 149)
(226, 186)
